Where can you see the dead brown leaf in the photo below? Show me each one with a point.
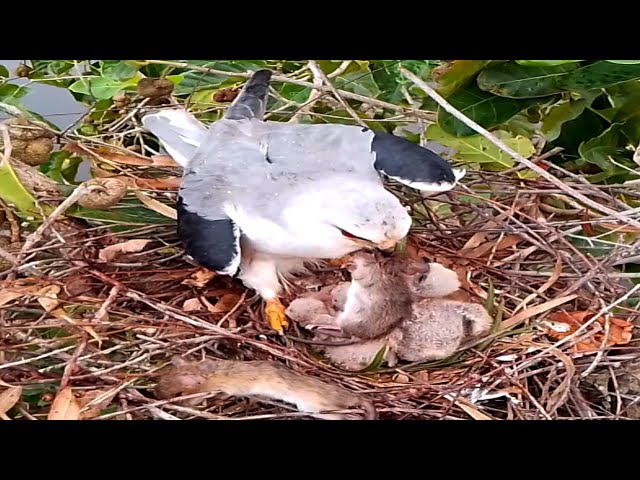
(537, 310)
(106, 153)
(199, 278)
(566, 323)
(92, 402)
(8, 398)
(225, 304)
(557, 270)
(130, 246)
(157, 206)
(8, 294)
(48, 297)
(192, 305)
(64, 406)
(161, 183)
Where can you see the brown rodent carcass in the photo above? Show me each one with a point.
(263, 379)
(434, 327)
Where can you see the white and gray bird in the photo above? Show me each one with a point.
(260, 199)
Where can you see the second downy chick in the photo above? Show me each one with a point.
(433, 328)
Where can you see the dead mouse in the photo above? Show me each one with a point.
(378, 297)
(260, 378)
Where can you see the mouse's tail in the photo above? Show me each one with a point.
(252, 101)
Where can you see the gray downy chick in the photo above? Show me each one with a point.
(434, 329)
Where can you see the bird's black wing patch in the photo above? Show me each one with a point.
(214, 244)
(410, 164)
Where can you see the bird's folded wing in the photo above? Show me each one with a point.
(412, 165)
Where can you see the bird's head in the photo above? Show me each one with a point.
(365, 217)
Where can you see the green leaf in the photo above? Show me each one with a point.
(4, 73)
(13, 107)
(598, 150)
(343, 117)
(202, 99)
(625, 101)
(544, 63)
(377, 360)
(455, 75)
(600, 74)
(11, 91)
(631, 129)
(482, 107)
(62, 167)
(478, 150)
(199, 80)
(119, 70)
(100, 87)
(294, 93)
(575, 132)
(126, 216)
(624, 62)
(52, 67)
(516, 81)
(358, 81)
(560, 113)
(14, 193)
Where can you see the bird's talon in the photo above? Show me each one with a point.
(275, 315)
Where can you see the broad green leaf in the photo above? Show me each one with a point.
(62, 166)
(544, 63)
(199, 80)
(175, 79)
(294, 93)
(391, 82)
(52, 67)
(202, 99)
(560, 113)
(516, 81)
(631, 129)
(624, 62)
(479, 151)
(11, 91)
(625, 101)
(575, 132)
(100, 87)
(358, 81)
(343, 117)
(455, 75)
(600, 74)
(13, 193)
(119, 70)
(13, 107)
(598, 150)
(522, 125)
(4, 73)
(126, 216)
(484, 108)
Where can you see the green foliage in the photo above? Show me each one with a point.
(589, 108)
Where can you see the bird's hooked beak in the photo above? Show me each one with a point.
(387, 245)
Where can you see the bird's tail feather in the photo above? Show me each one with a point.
(179, 132)
(252, 101)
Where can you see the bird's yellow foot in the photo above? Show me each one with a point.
(275, 315)
(339, 262)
